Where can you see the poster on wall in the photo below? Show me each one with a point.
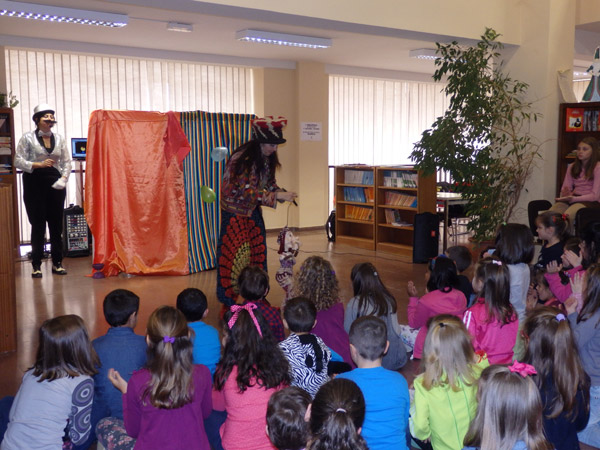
(574, 119)
(310, 131)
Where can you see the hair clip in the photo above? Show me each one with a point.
(496, 262)
(522, 369)
(342, 410)
(442, 324)
(375, 273)
(503, 224)
(235, 309)
(560, 317)
(169, 339)
(565, 216)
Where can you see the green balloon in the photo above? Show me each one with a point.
(207, 194)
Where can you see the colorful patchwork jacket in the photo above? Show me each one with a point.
(241, 194)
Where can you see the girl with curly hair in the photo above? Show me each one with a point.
(316, 281)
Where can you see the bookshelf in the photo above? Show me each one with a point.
(8, 174)
(576, 121)
(401, 193)
(355, 206)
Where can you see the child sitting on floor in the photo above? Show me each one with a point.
(253, 284)
(385, 391)
(207, 346)
(316, 281)
(286, 423)
(307, 354)
(463, 259)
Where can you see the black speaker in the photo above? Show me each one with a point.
(426, 237)
(76, 234)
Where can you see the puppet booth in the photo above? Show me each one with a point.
(152, 188)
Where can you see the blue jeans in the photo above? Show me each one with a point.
(591, 434)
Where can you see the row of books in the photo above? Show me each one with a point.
(359, 194)
(358, 212)
(400, 178)
(352, 176)
(580, 119)
(392, 217)
(5, 168)
(398, 199)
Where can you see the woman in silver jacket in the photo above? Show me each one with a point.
(46, 164)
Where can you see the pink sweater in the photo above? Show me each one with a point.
(244, 428)
(583, 190)
(561, 291)
(420, 310)
(490, 335)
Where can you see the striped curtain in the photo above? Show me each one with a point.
(205, 131)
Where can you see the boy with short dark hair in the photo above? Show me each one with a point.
(120, 349)
(207, 346)
(463, 259)
(385, 391)
(287, 427)
(253, 284)
(307, 353)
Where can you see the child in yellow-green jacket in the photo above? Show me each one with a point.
(445, 394)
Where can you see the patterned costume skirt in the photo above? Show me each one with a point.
(242, 242)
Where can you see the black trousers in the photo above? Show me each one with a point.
(44, 205)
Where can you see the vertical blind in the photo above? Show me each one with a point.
(77, 84)
(375, 122)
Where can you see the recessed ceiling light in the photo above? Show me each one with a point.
(292, 40)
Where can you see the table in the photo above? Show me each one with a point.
(448, 198)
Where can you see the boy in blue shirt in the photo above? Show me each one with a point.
(385, 391)
(121, 349)
(207, 346)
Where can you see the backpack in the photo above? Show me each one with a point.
(330, 226)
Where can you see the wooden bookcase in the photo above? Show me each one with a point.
(401, 193)
(569, 135)
(364, 206)
(355, 206)
(8, 173)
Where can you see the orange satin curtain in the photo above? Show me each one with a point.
(134, 193)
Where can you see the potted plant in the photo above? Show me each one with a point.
(8, 100)
(483, 138)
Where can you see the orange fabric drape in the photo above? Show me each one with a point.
(134, 197)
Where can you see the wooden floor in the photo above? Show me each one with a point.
(77, 293)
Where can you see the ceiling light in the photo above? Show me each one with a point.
(292, 40)
(423, 53)
(182, 27)
(58, 14)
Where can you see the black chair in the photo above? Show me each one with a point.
(533, 210)
(585, 216)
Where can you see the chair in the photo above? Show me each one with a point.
(585, 216)
(456, 213)
(534, 208)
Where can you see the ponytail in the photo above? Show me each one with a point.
(338, 432)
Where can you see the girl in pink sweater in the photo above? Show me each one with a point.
(252, 368)
(581, 187)
(492, 321)
(442, 297)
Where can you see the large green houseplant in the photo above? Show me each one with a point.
(483, 138)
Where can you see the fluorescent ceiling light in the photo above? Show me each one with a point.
(423, 53)
(292, 40)
(182, 27)
(58, 14)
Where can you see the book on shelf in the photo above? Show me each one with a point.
(358, 212)
(399, 199)
(359, 194)
(574, 119)
(353, 176)
(400, 178)
(4, 151)
(392, 217)
(590, 120)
